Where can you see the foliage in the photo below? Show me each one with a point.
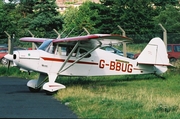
(9, 18)
(163, 3)
(41, 16)
(139, 19)
(169, 18)
(14, 71)
(69, 20)
(46, 18)
(1, 18)
(25, 8)
(134, 17)
(87, 16)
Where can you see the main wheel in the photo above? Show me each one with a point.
(51, 93)
(34, 90)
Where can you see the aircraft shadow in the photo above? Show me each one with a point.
(104, 80)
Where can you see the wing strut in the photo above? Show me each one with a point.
(70, 54)
(60, 71)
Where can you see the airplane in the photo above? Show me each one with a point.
(83, 56)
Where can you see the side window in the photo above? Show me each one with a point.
(61, 50)
(178, 48)
(69, 49)
(51, 49)
(110, 49)
(65, 50)
(169, 48)
(81, 52)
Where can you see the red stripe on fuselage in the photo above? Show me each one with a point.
(69, 61)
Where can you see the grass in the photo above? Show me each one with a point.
(15, 72)
(141, 96)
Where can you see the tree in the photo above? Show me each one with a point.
(163, 3)
(25, 9)
(135, 17)
(170, 19)
(70, 22)
(87, 15)
(10, 17)
(1, 19)
(46, 18)
(92, 16)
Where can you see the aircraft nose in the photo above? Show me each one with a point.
(9, 57)
(15, 55)
(12, 57)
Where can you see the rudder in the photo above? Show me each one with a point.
(154, 53)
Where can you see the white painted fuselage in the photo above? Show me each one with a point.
(100, 63)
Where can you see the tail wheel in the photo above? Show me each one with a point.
(34, 90)
(172, 59)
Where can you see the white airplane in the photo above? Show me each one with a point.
(83, 56)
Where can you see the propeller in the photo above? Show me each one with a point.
(9, 56)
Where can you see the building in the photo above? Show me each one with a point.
(63, 4)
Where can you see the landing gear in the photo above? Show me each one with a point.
(50, 87)
(36, 85)
(51, 93)
(34, 90)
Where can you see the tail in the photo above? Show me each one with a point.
(155, 53)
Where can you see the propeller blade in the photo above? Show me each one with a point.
(9, 63)
(9, 56)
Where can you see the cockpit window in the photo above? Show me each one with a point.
(83, 52)
(45, 44)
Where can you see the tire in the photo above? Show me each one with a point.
(51, 93)
(34, 90)
(172, 59)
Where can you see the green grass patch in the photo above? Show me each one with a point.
(139, 96)
(15, 72)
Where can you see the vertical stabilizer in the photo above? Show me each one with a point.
(154, 53)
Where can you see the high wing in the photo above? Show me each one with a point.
(103, 38)
(32, 39)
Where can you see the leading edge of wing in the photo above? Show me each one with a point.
(80, 38)
(94, 36)
(32, 39)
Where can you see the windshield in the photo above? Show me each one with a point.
(45, 44)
